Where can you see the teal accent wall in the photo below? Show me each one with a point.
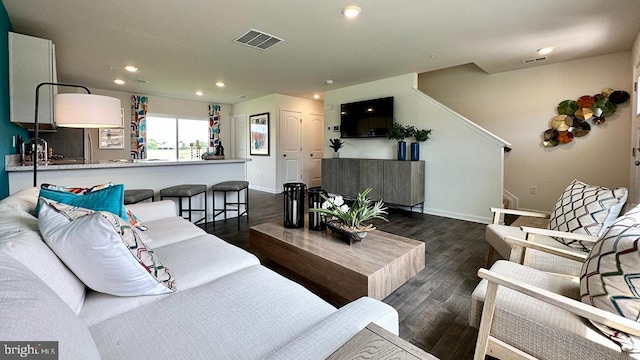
(7, 128)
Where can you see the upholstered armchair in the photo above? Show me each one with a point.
(525, 313)
(496, 233)
(580, 215)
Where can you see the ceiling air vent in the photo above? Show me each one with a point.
(257, 39)
(529, 61)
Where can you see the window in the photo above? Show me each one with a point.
(173, 138)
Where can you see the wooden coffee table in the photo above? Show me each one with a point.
(374, 267)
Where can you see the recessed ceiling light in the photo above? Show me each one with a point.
(131, 68)
(351, 11)
(119, 81)
(199, 93)
(220, 84)
(545, 50)
(316, 96)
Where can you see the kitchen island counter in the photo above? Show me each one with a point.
(139, 174)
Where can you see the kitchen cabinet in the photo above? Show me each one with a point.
(31, 62)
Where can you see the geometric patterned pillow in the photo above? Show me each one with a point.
(610, 277)
(586, 209)
(103, 250)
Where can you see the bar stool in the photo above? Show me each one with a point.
(137, 195)
(229, 186)
(187, 191)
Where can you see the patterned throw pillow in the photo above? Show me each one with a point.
(103, 250)
(610, 277)
(586, 209)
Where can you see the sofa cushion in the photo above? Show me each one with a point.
(23, 200)
(30, 311)
(244, 315)
(103, 251)
(104, 197)
(586, 209)
(193, 262)
(169, 231)
(610, 277)
(20, 239)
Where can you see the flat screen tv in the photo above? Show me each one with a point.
(366, 119)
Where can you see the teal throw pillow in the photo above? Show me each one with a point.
(105, 197)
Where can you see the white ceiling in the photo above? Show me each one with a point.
(184, 46)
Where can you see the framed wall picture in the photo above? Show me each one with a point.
(111, 138)
(259, 134)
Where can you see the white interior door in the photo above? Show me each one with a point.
(291, 135)
(240, 134)
(314, 150)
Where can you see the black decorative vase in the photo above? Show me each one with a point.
(402, 150)
(294, 194)
(415, 151)
(316, 220)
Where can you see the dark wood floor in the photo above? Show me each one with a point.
(433, 306)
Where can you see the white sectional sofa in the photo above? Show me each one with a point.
(227, 305)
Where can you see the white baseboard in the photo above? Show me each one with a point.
(466, 217)
(260, 188)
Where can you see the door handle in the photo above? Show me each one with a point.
(637, 163)
(310, 154)
(285, 155)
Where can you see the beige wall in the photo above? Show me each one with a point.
(518, 106)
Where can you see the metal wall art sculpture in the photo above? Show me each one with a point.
(574, 115)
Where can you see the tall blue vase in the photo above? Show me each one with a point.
(415, 151)
(402, 150)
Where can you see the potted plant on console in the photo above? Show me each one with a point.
(420, 135)
(399, 133)
(336, 144)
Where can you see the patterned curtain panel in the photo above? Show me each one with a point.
(139, 126)
(214, 125)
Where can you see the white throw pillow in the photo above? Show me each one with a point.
(610, 277)
(103, 250)
(586, 209)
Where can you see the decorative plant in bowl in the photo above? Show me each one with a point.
(349, 221)
(336, 144)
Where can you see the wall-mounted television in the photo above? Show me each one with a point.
(366, 119)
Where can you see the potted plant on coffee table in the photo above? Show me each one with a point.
(349, 221)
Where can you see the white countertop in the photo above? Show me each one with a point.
(118, 163)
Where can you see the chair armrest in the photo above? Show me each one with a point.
(566, 235)
(576, 307)
(518, 246)
(497, 212)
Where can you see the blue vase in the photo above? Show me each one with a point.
(415, 151)
(402, 150)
